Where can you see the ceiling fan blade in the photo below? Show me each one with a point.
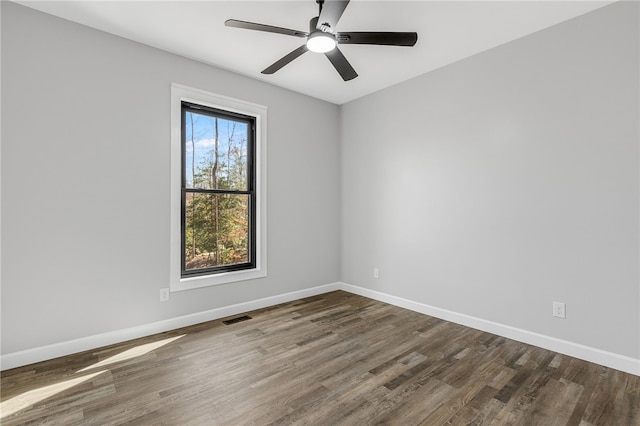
(262, 27)
(285, 60)
(379, 38)
(330, 13)
(341, 64)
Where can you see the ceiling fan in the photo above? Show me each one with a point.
(323, 38)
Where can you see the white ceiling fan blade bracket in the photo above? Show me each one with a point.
(326, 28)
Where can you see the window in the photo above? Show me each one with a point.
(218, 190)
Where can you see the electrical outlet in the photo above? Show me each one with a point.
(376, 273)
(164, 294)
(559, 310)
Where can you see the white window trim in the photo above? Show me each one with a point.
(181, 93)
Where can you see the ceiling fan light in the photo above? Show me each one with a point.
(320, 42)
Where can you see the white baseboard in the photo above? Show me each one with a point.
(576, 350)
(43, 353)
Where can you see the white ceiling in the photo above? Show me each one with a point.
(447, 32)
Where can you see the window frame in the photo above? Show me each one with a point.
(256, 268)
(189, 107)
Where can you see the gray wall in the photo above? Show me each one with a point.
(85, 183)
(500, 183)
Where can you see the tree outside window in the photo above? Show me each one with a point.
(218, 191)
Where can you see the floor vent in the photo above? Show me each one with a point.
(237, 319)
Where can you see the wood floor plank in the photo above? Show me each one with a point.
(331, 359)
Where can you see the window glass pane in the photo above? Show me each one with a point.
(215, 152)
(216, 230)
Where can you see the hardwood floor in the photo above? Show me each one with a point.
(333, 359)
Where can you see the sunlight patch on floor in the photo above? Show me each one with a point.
(32, 397)
(27, 399)
(132, 353)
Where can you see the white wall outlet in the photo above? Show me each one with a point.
(164, 294)
(559, 310)
(376, 273)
